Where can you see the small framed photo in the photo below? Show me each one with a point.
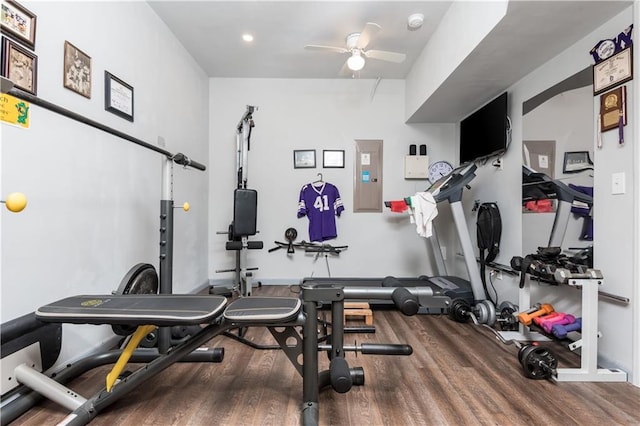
(304, 159)
(118, 96)
(77, 70)
(576, 161)
(20, 66)
(18, 22)
(333, 159)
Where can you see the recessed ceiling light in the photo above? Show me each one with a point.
(247, 37)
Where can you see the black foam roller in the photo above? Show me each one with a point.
(406, 302)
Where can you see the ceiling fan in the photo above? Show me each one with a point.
(356, 44)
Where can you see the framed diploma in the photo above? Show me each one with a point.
(613, 71)
(613, 109)
(118, 96)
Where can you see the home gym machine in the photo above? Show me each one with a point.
(245, 204)
(444, 288)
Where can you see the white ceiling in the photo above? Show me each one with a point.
(531, 33)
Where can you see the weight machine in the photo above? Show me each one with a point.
(245, 203)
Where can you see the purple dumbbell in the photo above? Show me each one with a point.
(561, 331)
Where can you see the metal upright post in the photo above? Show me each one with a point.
(166, 246)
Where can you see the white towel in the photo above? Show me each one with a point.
(423, 210)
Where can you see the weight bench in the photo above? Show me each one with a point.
(293, 322)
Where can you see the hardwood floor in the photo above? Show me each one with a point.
(458, 375)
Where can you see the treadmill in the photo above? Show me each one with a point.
(442, 288)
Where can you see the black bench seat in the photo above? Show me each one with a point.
(134, 309)
(266, 310)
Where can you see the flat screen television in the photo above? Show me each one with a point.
(484, 133)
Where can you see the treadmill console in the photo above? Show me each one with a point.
(450, 187)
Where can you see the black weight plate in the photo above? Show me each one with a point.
(141, 279)
(459, 310)
(537, 362)
(291, 234)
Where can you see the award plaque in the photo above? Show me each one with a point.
(613, 106)
(613, 71)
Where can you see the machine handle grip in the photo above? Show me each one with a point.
(406, 302)
(183, 160)
(385, 349)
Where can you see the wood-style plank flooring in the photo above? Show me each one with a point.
(458, 375)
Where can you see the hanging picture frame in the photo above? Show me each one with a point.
(77, 70)
(333, 159)
(17, 21)
(304, 159)
(20, 66)
(118, 96)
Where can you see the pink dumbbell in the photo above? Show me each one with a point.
(539, 320)
(562, 319)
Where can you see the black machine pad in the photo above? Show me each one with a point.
(134, 309)
(263, 309)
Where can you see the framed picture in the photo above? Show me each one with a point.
(77, 70)
(20, 66)
(304, 159)
(613, 71)
(576, 161)
(18, 22)
(333, 159)
(118, 96)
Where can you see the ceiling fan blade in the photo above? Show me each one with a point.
(369, 32)
(326, 48)
(385, 56)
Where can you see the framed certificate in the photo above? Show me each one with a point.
(118, 96)
(613, 71)
(333, 159)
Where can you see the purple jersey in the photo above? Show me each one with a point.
(321, 204)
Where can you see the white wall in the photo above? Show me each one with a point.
(93, 207)
(318, 114)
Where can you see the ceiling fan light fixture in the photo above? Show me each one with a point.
(355, 61)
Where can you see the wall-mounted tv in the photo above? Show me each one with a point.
(484, 133)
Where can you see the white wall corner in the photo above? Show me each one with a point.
(461, 30)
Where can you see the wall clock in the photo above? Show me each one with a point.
(438, 170)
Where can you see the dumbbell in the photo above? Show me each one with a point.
(527, 316)
(561, 331)
(539, 320)
(562, 319)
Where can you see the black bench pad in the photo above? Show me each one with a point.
(263, 309)
(134, 309)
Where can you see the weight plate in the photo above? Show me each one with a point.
(459, 310)
(291, 234)
(537, 362)
(141, 279)
(491, 315)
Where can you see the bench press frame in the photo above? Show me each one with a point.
(307, 344)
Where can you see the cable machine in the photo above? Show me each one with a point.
(245, 202)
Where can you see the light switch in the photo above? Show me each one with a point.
(617, 183)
